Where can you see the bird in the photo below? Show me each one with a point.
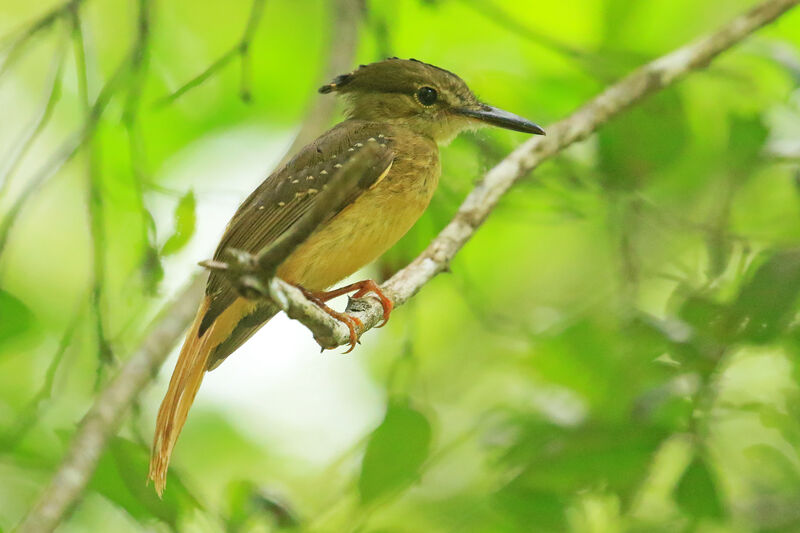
(407, 107)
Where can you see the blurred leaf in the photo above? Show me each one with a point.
(696, 493)
(15, 317)
(773, 467)
(532, 509)
(121, 475)
(395, 452)
(245, 501)
(745, 143)
(152, 270)
(767, 302)
(184, 225)
(564, 461)
(646, 139)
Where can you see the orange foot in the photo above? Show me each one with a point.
(362, 288)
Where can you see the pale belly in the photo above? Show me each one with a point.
(358, 235)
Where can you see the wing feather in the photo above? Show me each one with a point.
(284, 197)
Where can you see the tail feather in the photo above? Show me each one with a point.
(185, 382)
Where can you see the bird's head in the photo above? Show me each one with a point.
(427, 99)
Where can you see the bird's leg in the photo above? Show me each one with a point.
(362, 288)
(354, 324)
(351, 322)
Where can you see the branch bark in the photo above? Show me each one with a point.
(644, 81)
(104, 418)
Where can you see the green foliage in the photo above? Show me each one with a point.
(119, 477)
(395, 452)
(246, 503)
(616, 350)
(696, 493)
(643, 142)
(768, 301)
(16, 318)
(185, 221)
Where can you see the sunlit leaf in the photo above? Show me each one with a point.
(773, 466)
(185, 219)
(395, 452)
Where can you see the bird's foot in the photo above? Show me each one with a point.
(362, 288)
(353, 324)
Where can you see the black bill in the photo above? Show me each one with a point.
(504, 119)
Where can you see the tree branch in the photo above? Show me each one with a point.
(644, 81)
(107, 414)
(108, 411)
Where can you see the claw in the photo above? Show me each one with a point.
(351, 324)
(354, 324)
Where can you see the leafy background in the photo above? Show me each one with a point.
(617, 349)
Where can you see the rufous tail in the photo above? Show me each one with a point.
(186, 378)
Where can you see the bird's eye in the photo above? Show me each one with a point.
(427, 96)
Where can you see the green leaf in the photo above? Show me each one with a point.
(120, 477)
(395, 452)
(696, 493)
(185, 220)
(152, 270)
(245, 502)
(745, 143)
(563, 461)
(15, 317)
(774, 469)
(646, 139)
(766, 304)
(532, 509)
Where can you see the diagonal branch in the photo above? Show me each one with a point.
(644, 81)
(108, 411)
(105, 417)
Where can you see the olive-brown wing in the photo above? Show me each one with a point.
(282, 199)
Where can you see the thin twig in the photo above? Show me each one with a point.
(342, 45)
(17, 154)
(94, 203)
(66, 152)
(140, 63)
(241, 50)
(109, 408)
(16, 45)
(31, 413)
(591, 63)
